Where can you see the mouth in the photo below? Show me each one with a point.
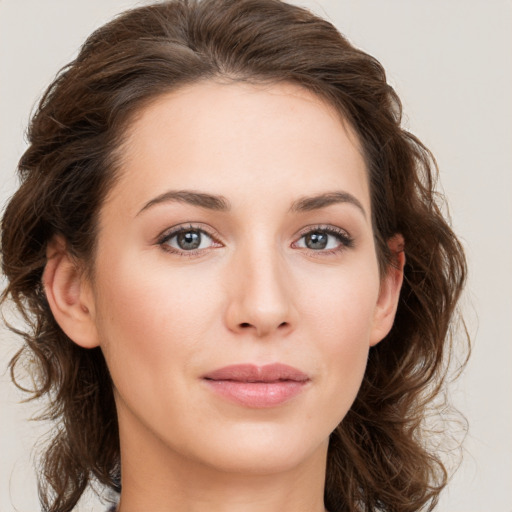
(257, 386)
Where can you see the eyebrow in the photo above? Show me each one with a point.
(207, 201)
(319, 201)
(220, 203)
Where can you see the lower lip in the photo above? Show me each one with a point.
(257, 395)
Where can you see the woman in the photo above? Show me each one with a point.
(237, 283)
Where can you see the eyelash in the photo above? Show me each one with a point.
(169, 235)
(344, 239)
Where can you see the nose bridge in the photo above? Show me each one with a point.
(260, 297)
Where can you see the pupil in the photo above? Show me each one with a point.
(316, 240)
(189, 240)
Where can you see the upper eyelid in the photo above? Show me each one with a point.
(323, 227)
(214, 234)
(173, 231)
(344, 237)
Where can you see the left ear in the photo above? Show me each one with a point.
(389, 293)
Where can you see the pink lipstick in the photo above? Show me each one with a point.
(257, 386)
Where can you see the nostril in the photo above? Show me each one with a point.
(245, 325)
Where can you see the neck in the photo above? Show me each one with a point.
(157, 478)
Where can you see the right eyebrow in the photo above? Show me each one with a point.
(207, 201)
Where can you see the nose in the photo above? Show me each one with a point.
(260, 295)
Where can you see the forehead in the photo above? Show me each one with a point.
(237, 137)
(211, 103)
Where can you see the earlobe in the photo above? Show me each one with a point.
(68, 295)
(391, 284)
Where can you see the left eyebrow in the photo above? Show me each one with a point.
(306, 204)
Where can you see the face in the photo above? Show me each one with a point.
(236, 290)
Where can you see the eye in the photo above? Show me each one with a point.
(187, 239)
(329, 239)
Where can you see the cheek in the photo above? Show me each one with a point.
(342, 304)
(149, 321)
(340, 322)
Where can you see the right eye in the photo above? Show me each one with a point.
(189, 240)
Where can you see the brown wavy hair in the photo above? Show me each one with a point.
(378, 457)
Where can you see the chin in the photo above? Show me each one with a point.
(263, 449)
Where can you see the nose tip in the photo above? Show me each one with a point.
(261, 301)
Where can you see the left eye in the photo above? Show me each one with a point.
(320, 240)
(188, 240)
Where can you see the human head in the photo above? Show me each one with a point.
(72, 163)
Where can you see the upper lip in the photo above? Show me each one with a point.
(253, 373)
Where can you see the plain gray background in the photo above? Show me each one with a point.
(450, 61)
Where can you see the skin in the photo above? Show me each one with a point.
(254, 292)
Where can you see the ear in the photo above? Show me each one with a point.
(389, 293)
(69, 295)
